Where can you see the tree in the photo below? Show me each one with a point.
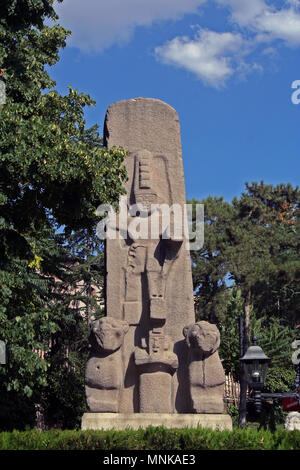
(210, 263)
(229, 330)
(259, 237)
(54, 173)
(252, 244)
(81, 285)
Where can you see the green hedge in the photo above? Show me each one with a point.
(152, 438)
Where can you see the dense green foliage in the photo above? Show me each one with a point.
(253, 244)
(63, 399)
(54, 172)
(249, 267)
(274, 336)
(151, 439)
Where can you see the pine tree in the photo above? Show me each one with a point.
(252, 244)
(210, 264)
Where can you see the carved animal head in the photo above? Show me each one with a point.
(108, 333)
(202, 337)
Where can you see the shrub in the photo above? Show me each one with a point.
(151, 438)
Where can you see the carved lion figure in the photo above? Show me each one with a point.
(206, 374)
(104, 367)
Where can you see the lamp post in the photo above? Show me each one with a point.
(256, 364)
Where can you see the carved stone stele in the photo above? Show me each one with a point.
(149, 280)
(140, 364)
(206, 374)
(104, 374)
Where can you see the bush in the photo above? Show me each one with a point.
(152, 438)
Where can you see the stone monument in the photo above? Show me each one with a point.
(206, 374)
(292, 421)
(104, 367)
(149, 290)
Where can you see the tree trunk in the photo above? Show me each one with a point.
(243, 374)
(2, 88)
(247, 320)
(39, 417)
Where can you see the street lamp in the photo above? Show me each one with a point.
(256, 364)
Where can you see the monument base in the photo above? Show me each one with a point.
(119, 421)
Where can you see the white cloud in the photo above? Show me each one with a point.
(270, 51)
(244, 12)
(209, 55)
(213, 56)
(294, 3)
(270, 23)
(283, 24)
(97, 24)
(216, 57)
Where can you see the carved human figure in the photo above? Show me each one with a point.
(156, 365)
(152, 256)
(206, 374)
(149, 281)
(158, 355)
(104, 368)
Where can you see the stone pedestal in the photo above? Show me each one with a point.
(119, 421)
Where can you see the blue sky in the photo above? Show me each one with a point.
(226, 66)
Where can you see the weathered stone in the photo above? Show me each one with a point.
(206, 374)
(121, 421)
(104, 374)
(149, 281)
(156, 369)
(292, 421)
(2, 92)
(140, 365)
